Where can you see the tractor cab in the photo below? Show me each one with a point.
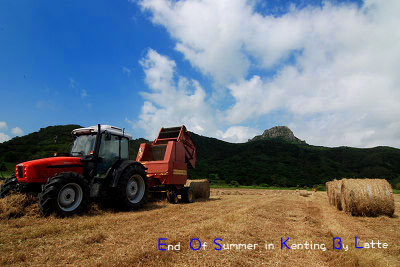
(102, 144)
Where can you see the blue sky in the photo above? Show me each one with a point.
(226, 69)
(47, 44)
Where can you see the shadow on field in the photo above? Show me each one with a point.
(99, 208)
(207, 200)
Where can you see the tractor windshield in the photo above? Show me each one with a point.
(83, 144)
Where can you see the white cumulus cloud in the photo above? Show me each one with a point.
(3, 125)
(4, 137)
(173, 100)
(208, 33)
(334, 67)
(238, 134)
(17, 131)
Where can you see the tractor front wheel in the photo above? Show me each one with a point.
(65, 194)
(9, 185)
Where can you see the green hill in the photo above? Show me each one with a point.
(38, 144)
(260, 162)
(276, 162)
(42, 144)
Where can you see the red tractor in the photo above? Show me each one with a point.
(99, 167)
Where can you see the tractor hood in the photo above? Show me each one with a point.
(40, 170)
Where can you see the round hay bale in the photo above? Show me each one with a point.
(304, 193)
(367, 197)
(328, 186)
(201, 188)
(334, 189)
(338, 194)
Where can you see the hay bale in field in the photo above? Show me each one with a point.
(201, 188)
(367, 197)
(328, 186)
(304, 193)
(335, 192)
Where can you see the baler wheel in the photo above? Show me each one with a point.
(132, 188)
(172, 197)
(65, 194)
(9, 185)
(187, 195)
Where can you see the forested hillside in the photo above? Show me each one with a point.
(260, 162)
(276, 162)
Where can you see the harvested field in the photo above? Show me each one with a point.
(18, 205)
(304, 193)
(105, 237)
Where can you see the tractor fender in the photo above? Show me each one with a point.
(119, 169)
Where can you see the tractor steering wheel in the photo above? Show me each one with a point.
(78, 152)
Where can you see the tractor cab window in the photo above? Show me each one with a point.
(109, 147)
(83, 144)
(124, 148)
(108, 152)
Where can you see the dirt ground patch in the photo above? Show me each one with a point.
(245, 216)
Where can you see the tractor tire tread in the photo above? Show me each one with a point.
(48, 197)
(9, 185)
(121, 197)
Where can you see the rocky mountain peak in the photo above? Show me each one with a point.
(279, 132)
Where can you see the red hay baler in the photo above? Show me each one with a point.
(167, 160)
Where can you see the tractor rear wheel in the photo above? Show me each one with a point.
(187, 195)
(132, 188)
(66, 194)
(9, 185)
